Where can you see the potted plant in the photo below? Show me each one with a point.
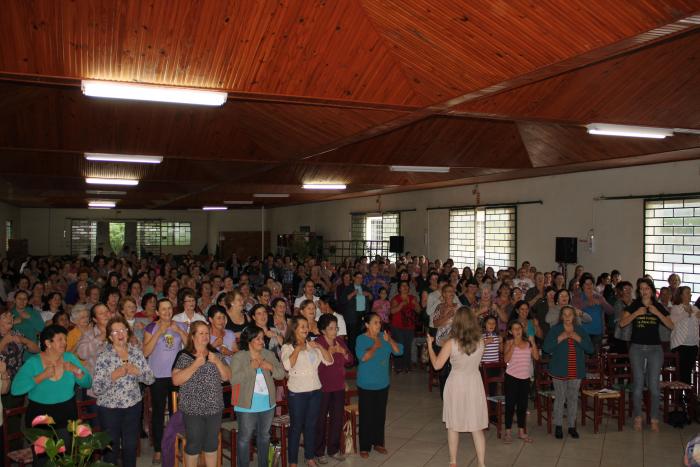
(84, 443)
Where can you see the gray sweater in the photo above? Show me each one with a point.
(243, 377)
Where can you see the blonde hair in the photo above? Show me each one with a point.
(466, 331)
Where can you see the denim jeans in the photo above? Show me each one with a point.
(124, 428)
(303, 415)
(248, 422)
(651, 357)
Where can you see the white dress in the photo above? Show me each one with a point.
(464, 400)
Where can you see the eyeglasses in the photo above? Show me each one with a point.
(119, 331)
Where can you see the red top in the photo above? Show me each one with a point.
(405, 318)
(333, 376)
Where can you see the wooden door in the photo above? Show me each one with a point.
(244, 244)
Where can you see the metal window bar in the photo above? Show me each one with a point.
(357, 227)
(462, 237)
(672, 241)
(500, 237)
(148, 238)
(83, 237)
(337, 250)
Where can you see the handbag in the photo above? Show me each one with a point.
(347, 434)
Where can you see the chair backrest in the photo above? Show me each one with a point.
(281, 396)
(669, 370)
(174, 399)
(494, 373)
(87, 412)
(543, 379)
(7, 436)
(228, 407)
(618, 369)
(351, 391)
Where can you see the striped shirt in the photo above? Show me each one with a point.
(571, 360)
(520, 364)
(491, 350)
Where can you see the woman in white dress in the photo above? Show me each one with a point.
(464, 407)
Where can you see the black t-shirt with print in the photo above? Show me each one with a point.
(645, 328)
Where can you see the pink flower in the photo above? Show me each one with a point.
(40, 444)
(43, 420)
(83, 431)
(62, 449)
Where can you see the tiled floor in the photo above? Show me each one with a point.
(415, 436)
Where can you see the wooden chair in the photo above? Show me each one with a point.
(673, 390)
(618, 376)
(20, 456)
(594, 373)
(599, 397)
(494, 373)
(181, 443)
(544, 393)
(229, 430)
(281, 421)
(87, 412)
(352, 409)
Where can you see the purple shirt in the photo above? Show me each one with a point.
(333, 376)
(163, 356)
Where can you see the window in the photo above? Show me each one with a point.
(483, 237)
(176, 233)
(8, 234)
(83, 237)
(370, 233)
(672, 241)
(373, 228)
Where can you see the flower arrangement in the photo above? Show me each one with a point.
(84, 443)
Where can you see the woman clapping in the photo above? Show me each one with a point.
(199, 372)
(118, 371)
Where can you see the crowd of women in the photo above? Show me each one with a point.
(108, 328)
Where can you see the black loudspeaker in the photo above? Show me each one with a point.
(396, 244)
(567, 250)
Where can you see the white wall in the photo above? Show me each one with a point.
(568, 210)
(48, 230)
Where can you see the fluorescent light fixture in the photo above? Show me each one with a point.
(214, 208)
(419, 168)
(271, 195)
(324, 186)
(239, 202)
(628, 130)
(105, 192)
(133, 158)
(102, 204)
(111, 181)
(147, 92)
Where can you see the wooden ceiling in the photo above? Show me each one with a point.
(327, 91)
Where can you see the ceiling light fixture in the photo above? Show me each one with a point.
(628, 130)
(239, 202)
(147, 92)
(105, 192)
(324, 186)
(271, 195)
(111, 181)
(102, 204)
(419, 168)
(139, 159)
(214, 208)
